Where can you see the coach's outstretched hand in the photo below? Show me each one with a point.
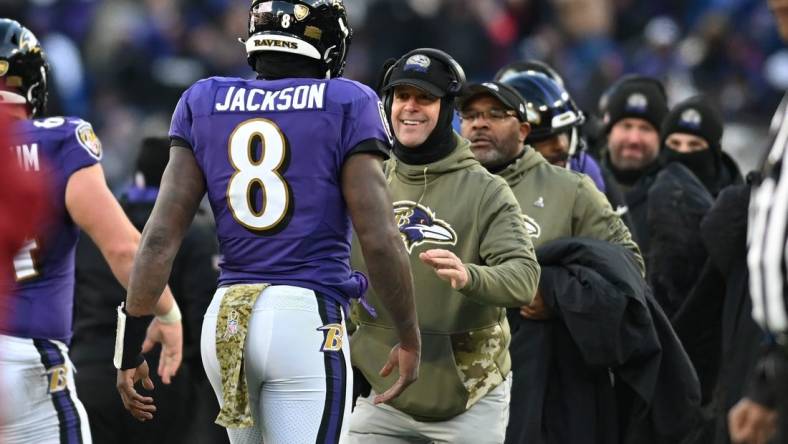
(141, 407)
(447, 266)
(406, 359)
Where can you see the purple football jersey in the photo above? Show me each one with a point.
(272, 153)
(41, 305)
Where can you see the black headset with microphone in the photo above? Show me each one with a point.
(455, 85)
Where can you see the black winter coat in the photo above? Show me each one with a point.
(608, 368)
(616, 197)
(97, 293)
(677, 202)
(716, 319)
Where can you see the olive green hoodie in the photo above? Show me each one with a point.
(559, 203)
(454, 204)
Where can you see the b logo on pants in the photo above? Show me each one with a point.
(333, 334)
(58, 378)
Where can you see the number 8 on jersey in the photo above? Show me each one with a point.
(265, 173)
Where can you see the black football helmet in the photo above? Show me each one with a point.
(550, 109)
(23, 68)
(317, 29)
(514, 68)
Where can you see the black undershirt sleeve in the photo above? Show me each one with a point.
(371, 146)
(177, 141)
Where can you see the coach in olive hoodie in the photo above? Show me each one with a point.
(557, 203)
(470, 257)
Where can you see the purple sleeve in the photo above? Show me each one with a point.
(81, 148)
(367, 121)
(181, 125)
(587, 165)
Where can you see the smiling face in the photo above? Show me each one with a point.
(414, 115)
(633, 144)
(494, 140)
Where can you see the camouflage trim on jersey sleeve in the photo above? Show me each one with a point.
(477, 354)
(235, 312)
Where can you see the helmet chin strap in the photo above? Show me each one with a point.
(34, 110)
(573, 143)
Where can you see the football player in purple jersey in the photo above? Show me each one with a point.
(22, 204)
(36, 376)
(288, 160)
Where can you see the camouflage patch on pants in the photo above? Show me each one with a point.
(231, 327)
(475, 353)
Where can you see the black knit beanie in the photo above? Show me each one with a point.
(637, 97)
(695, 116)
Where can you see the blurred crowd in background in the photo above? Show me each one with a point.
(122, 64)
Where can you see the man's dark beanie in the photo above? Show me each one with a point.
(696, 116)
(637, 97)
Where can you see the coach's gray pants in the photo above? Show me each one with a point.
(484, 423)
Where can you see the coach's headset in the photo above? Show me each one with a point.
(457, 73)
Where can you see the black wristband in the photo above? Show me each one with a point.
(130, 352)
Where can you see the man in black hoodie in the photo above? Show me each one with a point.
(633, 110)
(693, 170)
(97, 295)
(692, 135)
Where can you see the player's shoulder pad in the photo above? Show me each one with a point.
(202, 85)
(68, 130)
(84, 135)
(211, 82)
(206, 88)
(347, 91)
